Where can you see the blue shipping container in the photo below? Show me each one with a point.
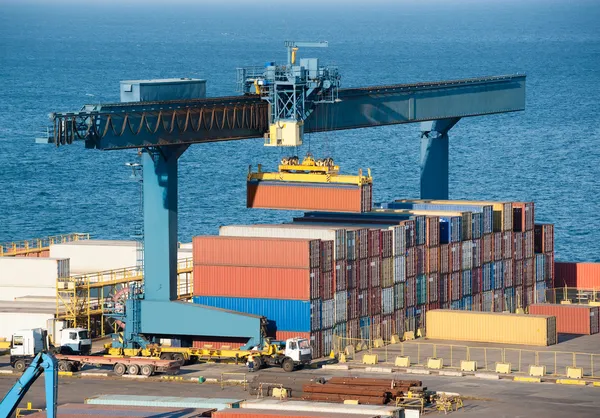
(287, 315)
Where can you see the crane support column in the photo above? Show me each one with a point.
(160, 222)
(434, 158)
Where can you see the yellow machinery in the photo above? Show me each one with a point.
(82, 300)
(309, 171)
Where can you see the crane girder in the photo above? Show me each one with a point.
(148, 124)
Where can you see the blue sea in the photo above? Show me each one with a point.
(57, 56)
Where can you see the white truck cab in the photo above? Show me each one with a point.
(75, 341)
(299, 350)
(27, 343)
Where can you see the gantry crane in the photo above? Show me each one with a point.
(281, 102)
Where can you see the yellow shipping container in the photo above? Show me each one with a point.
(504, 328)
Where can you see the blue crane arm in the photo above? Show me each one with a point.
(145, 124)
(43, 362)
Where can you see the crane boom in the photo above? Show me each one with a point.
(43, 362)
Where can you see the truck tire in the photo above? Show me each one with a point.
(133, 369)
(119, 369)
(147, 370)
(64, 366)
(165, 356)
(288, 365)
(179, 357)
(258, 362)
(20, 366)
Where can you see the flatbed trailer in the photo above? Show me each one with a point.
(146, 366)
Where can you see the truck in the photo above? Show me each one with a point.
(292, 354)
(73, 354)
(27, 343)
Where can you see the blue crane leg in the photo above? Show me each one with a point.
(160, 222)
(434, 158)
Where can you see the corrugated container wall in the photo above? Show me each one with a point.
(570, 319)
(309, 196)
(501, 328)
(579, 275)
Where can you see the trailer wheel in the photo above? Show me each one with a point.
(64, 366)
(120, 369)
(19, 366)
(179, 357)
(133, 369)
(147, 370)
(165, 356)
(258, 362)
(288, 365)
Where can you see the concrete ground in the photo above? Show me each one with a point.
(490, 398)
(493, 399)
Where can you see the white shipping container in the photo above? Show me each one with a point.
(93, 256)
(30, 276)
(328, 233)
(327, 313)
(15, 316)
(399, 269)
(331, 408)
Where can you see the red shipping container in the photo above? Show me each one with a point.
(387, 242)
(487, 248)
(353, 309)
(375, 302)
(309, 196)
(579, 275)
(327, 285)
(326, 261)
(456, 286)
(529, 271)
(255, 282)
(374, 271)
(528, 244)
(316, 342)
(508, 273)
(477, 252)
(570, 319)
(363, 274)
(352, 274)
(476, 284)
(433, 231)
(387, 326)
(518, 246)
(410, 292)
(497, 240)
(341, 275)
(374, 242)
(251, 251)
(433, 288)
(455, 254)
(444, 258)
(411, 262)
(518, 272)
(421, 259)
(476, 306)
(433, 259)
(363, 303)
(507, 245)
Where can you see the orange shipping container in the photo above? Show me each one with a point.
(570, 319)
(253, 251)
(253, 282)
(309, 196)
(579, 275)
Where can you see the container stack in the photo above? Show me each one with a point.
(289, 281)
(380, 271)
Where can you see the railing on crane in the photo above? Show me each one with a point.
(39, 245)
